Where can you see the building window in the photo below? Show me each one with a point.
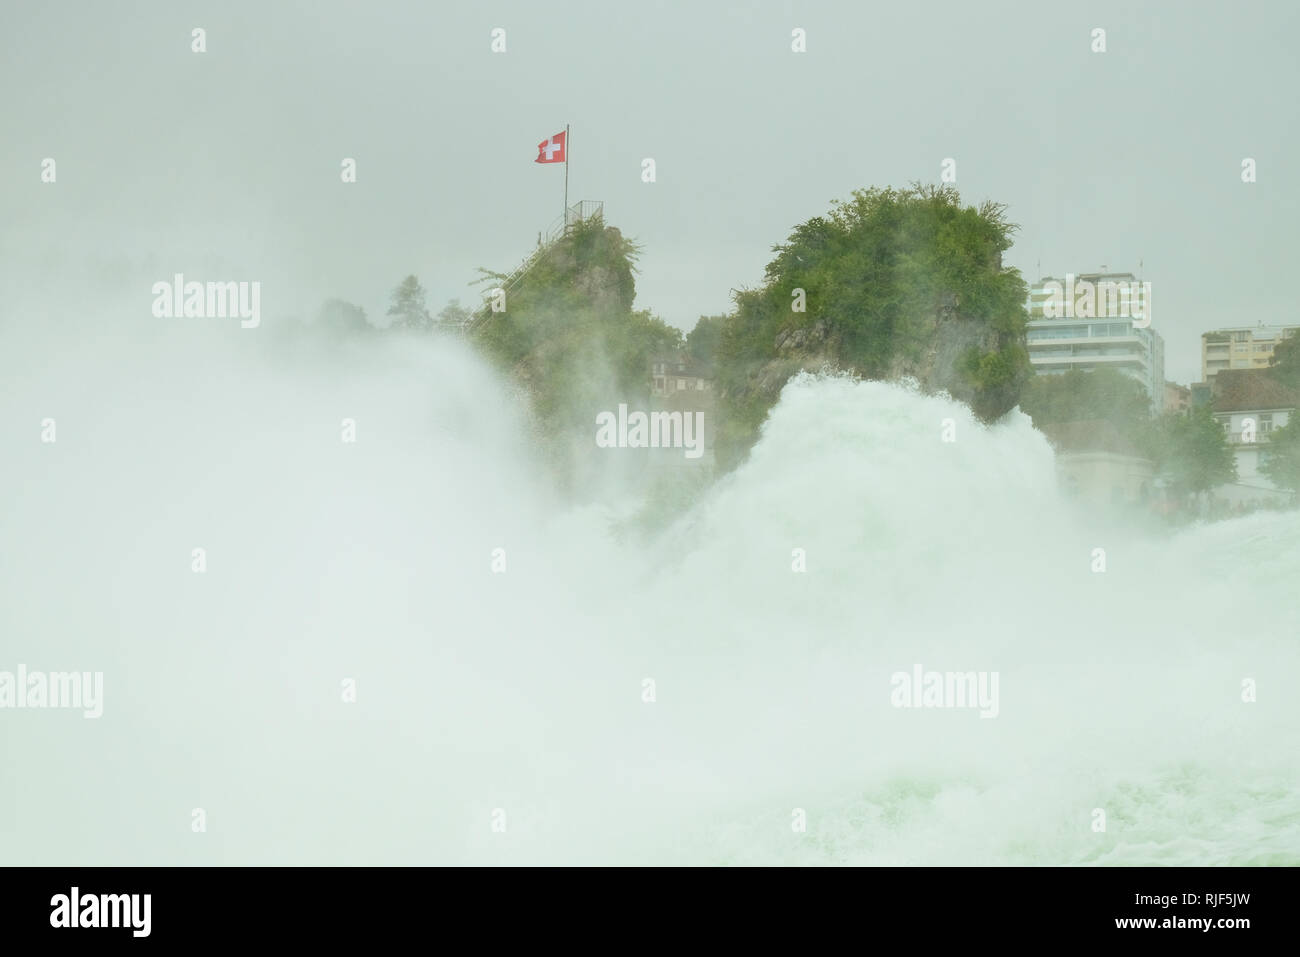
(699, 385)
(681, 384)
(659, 384)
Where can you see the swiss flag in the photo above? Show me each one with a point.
(551, 150)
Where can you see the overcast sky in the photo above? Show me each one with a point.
(225, 165)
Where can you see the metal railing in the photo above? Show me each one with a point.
(583, 210)
(580, 211)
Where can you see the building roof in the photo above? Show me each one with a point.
(1249, 390)
(1089, 276)
(1260, 332)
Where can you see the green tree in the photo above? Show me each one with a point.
(1192, 451)
(1281, 457)
(408, 307)
(1280, 460)
(703, 342)
(1285, 363)
(454, 317)
(635, 344)
(343, 318)
(1076, 395)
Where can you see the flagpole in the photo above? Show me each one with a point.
(564, 220)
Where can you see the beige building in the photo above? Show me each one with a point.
(670, 375)
(678, 384)
(1178, 398)
(1242, 347)
(1097, 466)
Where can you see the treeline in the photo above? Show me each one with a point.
(408, 312)
(889, 284)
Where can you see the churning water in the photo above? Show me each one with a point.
(500, 717)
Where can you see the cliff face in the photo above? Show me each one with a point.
(941, 364)
(946, 340)
(600, 271)
(945, 346)
(579, 285)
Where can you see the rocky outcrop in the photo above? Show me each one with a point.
(946, 338)
(940, 345)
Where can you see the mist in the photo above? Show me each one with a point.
(347, 610)
(523, 689)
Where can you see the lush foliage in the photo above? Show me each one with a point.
(1077, 396)
(1285, 367)
(1191, 451)
(1281, 462)
(876, 271)
(703, 341)
(568, 332)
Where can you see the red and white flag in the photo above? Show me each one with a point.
(551, 150)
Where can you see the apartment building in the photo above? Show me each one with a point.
(1096, 321)
(1242, 347)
